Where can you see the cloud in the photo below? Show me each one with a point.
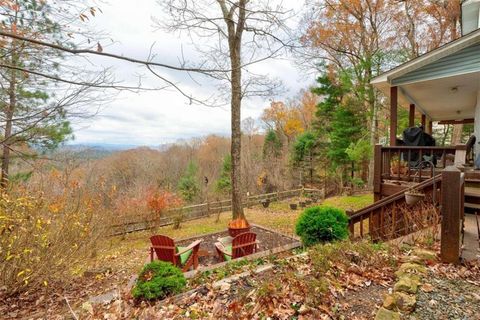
(152, 118)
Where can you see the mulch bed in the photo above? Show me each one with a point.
(268, 240)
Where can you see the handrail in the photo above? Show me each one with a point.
(396, 196)
(457, 147)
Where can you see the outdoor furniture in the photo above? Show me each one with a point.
(166, 250)
(242, 245)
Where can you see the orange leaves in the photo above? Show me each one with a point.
(158, 200)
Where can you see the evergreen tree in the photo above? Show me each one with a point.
(303, 146)
(272, 145)
(34, 110)
(188, 184)
(224, 183)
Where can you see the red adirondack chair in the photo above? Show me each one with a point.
(242, 245)
(183, 257)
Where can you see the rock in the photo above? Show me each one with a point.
(263, 268)
(406, 284)
(415, 277)
(87, 306)
(225, 287)
(405, 302)
(409, 267)
(426, 255)
(389, 302)
(303, 309)
(384, 314)
(105, 298)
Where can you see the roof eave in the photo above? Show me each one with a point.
(429, 57)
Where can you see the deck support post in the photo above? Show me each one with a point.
(424, 121)
(393, 115)
(411, 116)
(452, 213)
(430, 126)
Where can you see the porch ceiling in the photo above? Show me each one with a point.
(443, 84)
(452, 98)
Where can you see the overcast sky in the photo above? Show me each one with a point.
(154, 118)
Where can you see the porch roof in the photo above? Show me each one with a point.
(443, 83)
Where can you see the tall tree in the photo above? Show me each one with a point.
(35, 112)
(241, 33)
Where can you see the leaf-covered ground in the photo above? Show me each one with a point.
(118, 258)
(342, 280)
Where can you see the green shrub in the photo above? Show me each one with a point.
(322, 224)
(157, 280)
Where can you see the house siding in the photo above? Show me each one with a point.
(464, 61)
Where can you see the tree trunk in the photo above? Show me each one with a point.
(8, 133)
(235, 44)
(9, 111)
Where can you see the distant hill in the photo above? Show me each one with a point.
(101, 150)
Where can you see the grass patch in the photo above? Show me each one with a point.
(355, 202)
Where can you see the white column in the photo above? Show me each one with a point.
(477, 125)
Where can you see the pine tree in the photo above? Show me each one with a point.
(188, 184)
(224, 183)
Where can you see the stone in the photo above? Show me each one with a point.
(409, 267)
(264, 268)
(405, 302)
(406, 284)
(384, 314)
(389, 302)
(225, 287)
(412, 276)
(426, 255)
(105, 298)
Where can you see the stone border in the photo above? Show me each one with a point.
(258, 255)
(225, 283)
(403, 299)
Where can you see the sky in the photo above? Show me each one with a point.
(153, 118)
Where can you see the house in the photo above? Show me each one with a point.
(444, 87)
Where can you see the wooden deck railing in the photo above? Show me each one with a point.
(401, 163)
(375, 219)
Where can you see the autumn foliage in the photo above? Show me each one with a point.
(158, 201)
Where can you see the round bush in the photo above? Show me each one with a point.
(157, 280)
(322, 224)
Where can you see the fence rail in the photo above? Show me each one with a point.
(188, 213)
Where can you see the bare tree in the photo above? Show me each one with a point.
(232, 36)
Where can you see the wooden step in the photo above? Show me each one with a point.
(472, 192)
(472, 205)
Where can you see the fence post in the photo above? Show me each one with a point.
(452, 204)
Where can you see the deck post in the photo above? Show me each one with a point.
(377, 173)
(393, 115)
(452, 204)
(411, 116)
(424, 121)
(430, 126)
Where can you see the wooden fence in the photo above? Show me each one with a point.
(140, 223)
